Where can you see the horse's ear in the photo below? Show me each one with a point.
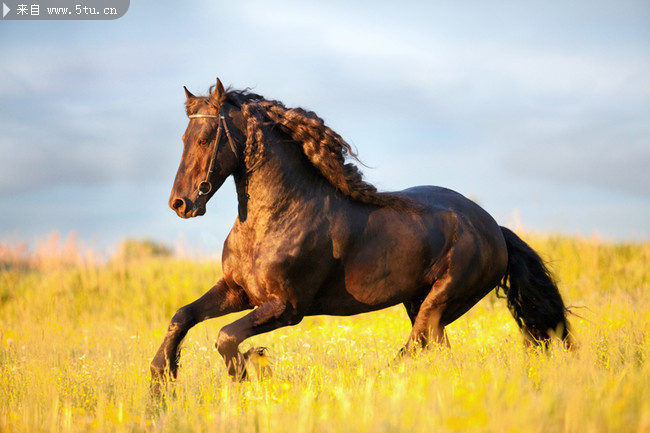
(188, 94)
(219, 93)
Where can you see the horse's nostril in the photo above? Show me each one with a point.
(178, 203)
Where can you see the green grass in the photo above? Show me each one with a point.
(76, 340)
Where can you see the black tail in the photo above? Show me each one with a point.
(533, 297)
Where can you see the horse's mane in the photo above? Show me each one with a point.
(324, 148)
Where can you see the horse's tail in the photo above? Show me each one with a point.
(533, 297)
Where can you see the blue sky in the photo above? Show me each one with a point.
(539, 111)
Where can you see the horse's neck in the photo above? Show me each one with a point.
(284, 183)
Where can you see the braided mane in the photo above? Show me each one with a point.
(325, 149)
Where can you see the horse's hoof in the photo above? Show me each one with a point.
(401, 354)
(156, 390)
(257, 363)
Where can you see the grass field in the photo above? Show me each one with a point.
(77, 336)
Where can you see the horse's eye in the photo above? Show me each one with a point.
(203, 141)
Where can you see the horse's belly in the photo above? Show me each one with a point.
(381, 289)
(367, 285)
(345, 303)
(345, 300)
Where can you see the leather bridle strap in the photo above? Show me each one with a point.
(205, 187)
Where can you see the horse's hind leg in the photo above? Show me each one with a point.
(451, 296)
(428, 327)
(219, 300)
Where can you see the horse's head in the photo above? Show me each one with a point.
(210, 154)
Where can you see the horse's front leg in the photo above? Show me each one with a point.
(218, 301)
(274, 313)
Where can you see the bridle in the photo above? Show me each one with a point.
(205, 187)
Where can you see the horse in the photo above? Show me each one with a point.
(313, 238)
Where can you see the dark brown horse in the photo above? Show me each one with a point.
(313, 238)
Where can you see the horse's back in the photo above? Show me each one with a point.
(438, 200)
(438, 197)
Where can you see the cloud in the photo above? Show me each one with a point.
(86, 116)
(604, 151)
(539, 92)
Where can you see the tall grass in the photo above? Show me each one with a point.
(77, 336)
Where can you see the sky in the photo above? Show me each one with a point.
(538, 110)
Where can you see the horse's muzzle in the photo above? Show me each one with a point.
(184, 208)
